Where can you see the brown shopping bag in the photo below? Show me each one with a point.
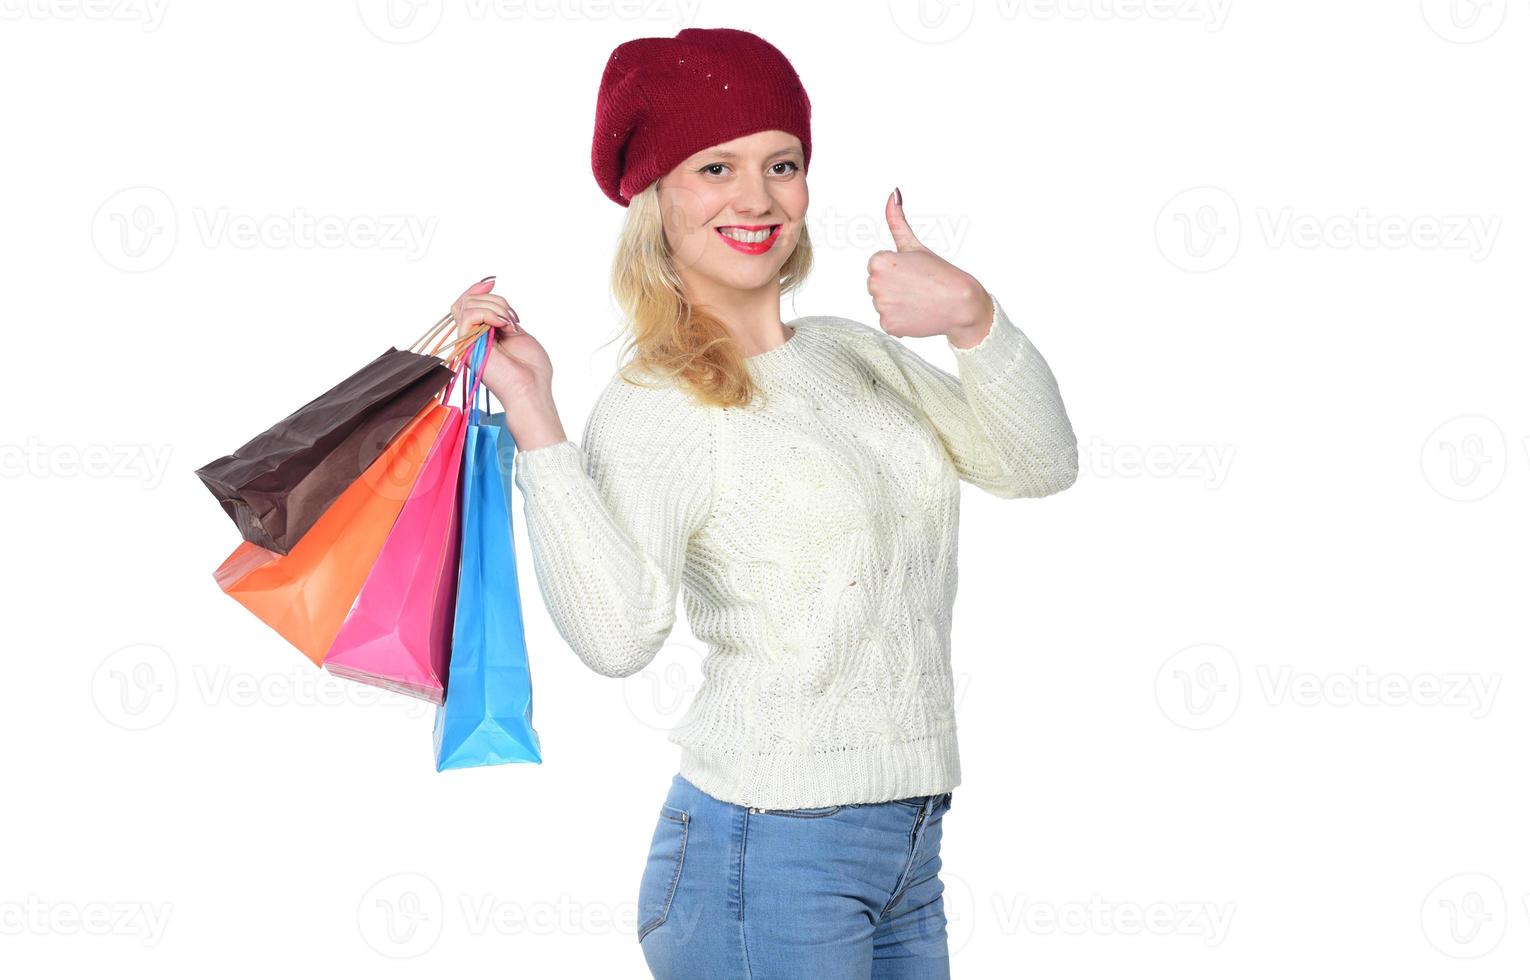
(276, 486)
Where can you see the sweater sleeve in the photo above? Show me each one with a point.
(609, 522)
(1001, 417)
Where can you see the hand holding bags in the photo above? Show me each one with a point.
(487, 716)
(407, 579)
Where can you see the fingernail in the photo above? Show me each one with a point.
(514, 315)
(487, 278)
(899, 194)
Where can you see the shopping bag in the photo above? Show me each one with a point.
(305, 594)
(276, 486)
(486, 719)
(398, 632)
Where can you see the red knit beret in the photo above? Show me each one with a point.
(664, 98)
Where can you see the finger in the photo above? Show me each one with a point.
(479, 288)
(495, 303)
(880, 262)
(902, 234)
(476, 316)
(470, 321)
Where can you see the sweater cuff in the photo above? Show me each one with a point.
(993, 356)
(551, 464)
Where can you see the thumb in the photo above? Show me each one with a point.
(902, 234)
(482, 286)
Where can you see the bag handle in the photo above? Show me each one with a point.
(460, 364)
(460, 352)
(480, 347)
(441, 330)
(460, 346)
(418, 345)
(441, 335)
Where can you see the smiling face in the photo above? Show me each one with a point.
(733, 212)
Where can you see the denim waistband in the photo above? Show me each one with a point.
(926, 803)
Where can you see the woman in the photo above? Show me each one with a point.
(800, 481)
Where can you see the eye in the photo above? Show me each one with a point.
(711, 169)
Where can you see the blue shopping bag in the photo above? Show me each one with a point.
(486, 718)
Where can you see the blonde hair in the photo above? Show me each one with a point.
(667, 335)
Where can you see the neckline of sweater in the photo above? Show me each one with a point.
(779, 352)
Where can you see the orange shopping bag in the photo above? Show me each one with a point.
(306, 594)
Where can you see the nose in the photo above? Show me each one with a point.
(753, 197)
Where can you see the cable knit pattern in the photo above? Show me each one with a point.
(814, 533)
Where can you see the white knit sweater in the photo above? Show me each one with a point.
(815, 535)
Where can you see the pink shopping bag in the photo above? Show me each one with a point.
(398, 633)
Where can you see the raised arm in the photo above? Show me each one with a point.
(609, 522)
(1001, 417)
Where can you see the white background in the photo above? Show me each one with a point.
(1250, 696)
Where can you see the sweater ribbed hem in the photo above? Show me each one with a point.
(788, 780)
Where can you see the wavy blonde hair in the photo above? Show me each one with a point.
(668, 336)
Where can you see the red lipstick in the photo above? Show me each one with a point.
(751, 248)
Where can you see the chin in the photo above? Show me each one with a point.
(743, 280)
(744, 283)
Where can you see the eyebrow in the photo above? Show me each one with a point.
(729, 155)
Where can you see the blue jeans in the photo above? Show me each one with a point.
(848, 892)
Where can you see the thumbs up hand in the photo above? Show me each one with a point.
(919, 294)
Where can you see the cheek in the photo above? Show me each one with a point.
(686, 210)
(794, 200)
